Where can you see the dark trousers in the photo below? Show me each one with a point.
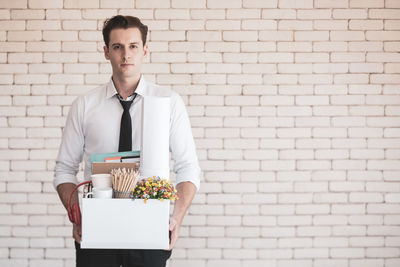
(120, 257)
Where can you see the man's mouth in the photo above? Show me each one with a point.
(126, 65)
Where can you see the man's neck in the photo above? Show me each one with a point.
(126, 87)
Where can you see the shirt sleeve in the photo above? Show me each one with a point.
(182, 146)
(70, 153)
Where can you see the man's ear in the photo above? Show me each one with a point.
(145, 50)
(106, 55)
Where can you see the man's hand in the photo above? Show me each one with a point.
(77, 232)
(64, 190)
(174, 227)
(186, 192)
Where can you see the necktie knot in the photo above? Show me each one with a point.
(126, 104)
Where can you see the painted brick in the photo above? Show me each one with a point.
(383, 57)
(223, 68)
(168, 35)
(367, 262)
(247, 13)
(24, 36)
(88, 36)
(294, 46)
(239, 254)
(79, 25)
(43, 46)
(241, 36)
(279, 13)
(152, 4)
(349, 13)
(187, 68)
(259, 24)
(27, 14)
(275, 35)
(14, 4)
(221, 47)
(365, 46)
(381, 36)
(119, 4)
(5, 14)
(185, 25)
(311, 36)
(331, 3)
(196, 263)
(366, 25)
(295, 25)
(384, 13)
(330, 25)
(240, 57)
(223, 25)
(347, 253)
(207, 13)
(224, 4)
(63, 14)
(81, 3)
(188, 4)
(294, 242)
(369, 3)
(60, 35)
(391, 25)
(209, 79)
(172, 14)
(99, 13)
(12, 46)
(311, 57)
(330, 46)
(260, 4)
(295, 4)
(311, 253)
(12, 25)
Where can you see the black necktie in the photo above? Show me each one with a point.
(125, 134)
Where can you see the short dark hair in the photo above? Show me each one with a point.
(123, 22)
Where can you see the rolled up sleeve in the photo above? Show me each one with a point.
(71, 149)
(182, 146)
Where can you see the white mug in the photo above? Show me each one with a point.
(101, 180)
(101, 192)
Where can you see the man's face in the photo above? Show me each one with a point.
(126, 52)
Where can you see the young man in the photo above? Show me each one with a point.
(97, 124)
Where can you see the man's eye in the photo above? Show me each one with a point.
(116, 47)
(133, 46)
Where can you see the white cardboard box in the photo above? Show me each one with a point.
(125, 223)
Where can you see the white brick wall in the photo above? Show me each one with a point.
(294, 106)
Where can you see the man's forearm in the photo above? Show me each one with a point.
(64, 191)
(186, 192)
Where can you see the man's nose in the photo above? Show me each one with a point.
(127, 53)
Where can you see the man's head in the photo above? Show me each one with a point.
(125, 47)
(123, 22)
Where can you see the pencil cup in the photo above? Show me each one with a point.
(121, 194)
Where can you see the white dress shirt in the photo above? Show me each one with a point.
(93, 126)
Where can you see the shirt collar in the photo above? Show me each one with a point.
(140, 89)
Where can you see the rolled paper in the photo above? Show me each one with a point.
(154, 158)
